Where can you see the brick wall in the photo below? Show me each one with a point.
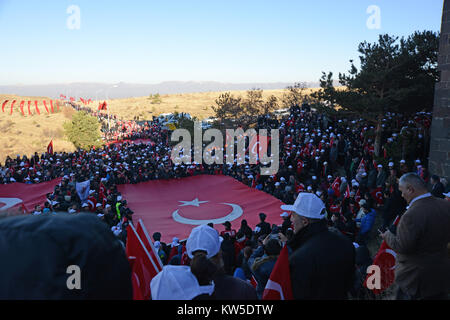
(439, 162)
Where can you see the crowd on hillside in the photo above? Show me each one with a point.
(332, 158)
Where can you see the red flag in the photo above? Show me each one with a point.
(14, 194)
(184, 256)
(362, 164)
(142, 232)
(173, 252)
(4, 104)
(12, 105)
(336, 187)
(29, 106)
(36, 105)
(253, 282)
(45, 105)
(146, 269)
(50, 147)
(347, 192)
(358, 196)
(258, 145)
(179, 204)
(22, 103)
(385, 259)
(377, 194)
(135, 270)
(279, 285)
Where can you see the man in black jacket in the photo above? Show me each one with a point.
(437, 187)
(40, 256)
(322, 262)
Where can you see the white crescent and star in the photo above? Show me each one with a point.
(9, 203)
(234, 214)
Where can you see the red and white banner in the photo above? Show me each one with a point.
(279, 285)
(25, 195)
(174, 207)
(144, 268)
(377, 194)
(50, 147)
(143, 234)
(385, 259)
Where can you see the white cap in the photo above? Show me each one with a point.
(203, 238)
(175, 242)
(307, 205)
(177, 283)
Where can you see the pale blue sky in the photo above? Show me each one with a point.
(228, 41)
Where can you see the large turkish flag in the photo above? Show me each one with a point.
(173, 207)
(30, 195)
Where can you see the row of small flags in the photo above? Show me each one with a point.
(48, 108)
(72, 99)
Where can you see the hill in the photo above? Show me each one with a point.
(197, 104)
(28, 134)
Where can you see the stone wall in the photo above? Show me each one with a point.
(439, 162)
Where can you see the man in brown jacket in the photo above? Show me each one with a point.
(422, 268)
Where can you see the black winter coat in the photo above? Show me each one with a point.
(36, 252)
(322, 263)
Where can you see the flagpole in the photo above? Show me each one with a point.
(151, 243)
(143, 246)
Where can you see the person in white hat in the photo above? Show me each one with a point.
(204, 244)
(447, 196)
(321, 262)
(178, 283)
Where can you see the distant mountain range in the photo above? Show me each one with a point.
(101, 91)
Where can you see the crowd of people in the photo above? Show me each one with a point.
(333, 159)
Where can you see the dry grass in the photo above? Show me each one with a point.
(196, 104)
(28, 134)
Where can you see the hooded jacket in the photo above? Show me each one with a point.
(37, 255)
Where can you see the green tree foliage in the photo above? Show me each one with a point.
(228, 106)
(294, 95)
(83, 131)
(395, 75)
(253, 103)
